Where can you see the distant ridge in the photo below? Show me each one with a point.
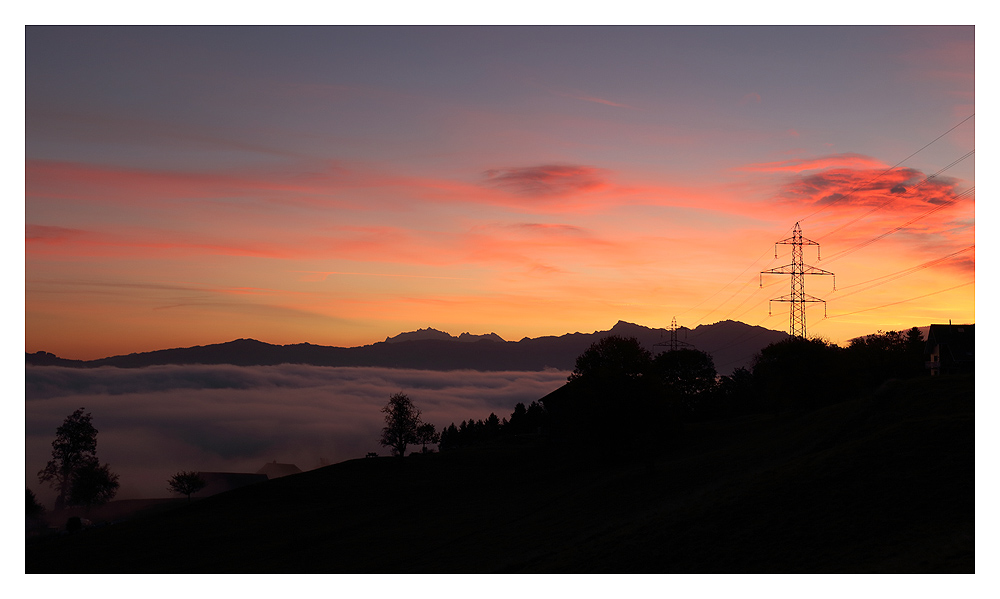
(732, 345)
(434, 334)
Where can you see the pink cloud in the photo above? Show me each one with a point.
(808, 164)
(901, 189)
(529, 246)
(546, 188)
(547, 180)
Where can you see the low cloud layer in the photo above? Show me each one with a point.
(155, 421)
(549, 179)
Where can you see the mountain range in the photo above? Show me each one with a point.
(731, 344)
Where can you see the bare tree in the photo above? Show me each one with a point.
(186, 483)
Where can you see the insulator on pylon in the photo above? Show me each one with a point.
(797, 269)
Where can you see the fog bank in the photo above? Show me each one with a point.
(155, 421)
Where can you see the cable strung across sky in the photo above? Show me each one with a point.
(516, 180)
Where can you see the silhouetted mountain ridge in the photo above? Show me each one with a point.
(731, 344)
(436, 335)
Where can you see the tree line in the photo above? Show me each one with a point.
(620, 397)
(524, 422)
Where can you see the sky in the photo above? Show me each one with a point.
(338, 185)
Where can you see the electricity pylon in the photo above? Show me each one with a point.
(798, 269)
(674, 344)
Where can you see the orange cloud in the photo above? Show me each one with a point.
(848, 160)
(901, 188)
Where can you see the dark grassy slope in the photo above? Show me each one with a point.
(879, 484)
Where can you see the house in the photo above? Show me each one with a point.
(950, 348)
(276, 470)
(219, 482)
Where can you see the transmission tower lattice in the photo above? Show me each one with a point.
(673, 344)
(798, 298)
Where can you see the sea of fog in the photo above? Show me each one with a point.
(153, 422)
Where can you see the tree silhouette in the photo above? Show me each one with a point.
(799, 372)
(518, 424)
(34, 510)
(612, 360)
(915, 351)
(611, 401)
(491, 427)
(186, 483)
(536, 417)
(450, 438)
(74, 447)
(401, 421)
(689, 372)
(93, 484)
(427, 434)
(735, 394)
(872, 359)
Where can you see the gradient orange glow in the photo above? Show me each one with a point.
(339, 203)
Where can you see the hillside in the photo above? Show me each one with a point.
(732, 344)
(882, 483)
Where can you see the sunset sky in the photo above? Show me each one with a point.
(338, 185)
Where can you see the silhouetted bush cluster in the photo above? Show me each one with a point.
(807, 373)
(524, 422)
(620, 399)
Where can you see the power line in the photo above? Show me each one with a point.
(888, 170)
(868, 242)
(900, 274)
(724, 287)
(893, 199)
(743, 337)
(972, 282)
(797, 296)
(749, 297)
(727, 285)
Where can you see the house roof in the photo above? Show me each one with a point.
(276, 470)
(958, 341)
